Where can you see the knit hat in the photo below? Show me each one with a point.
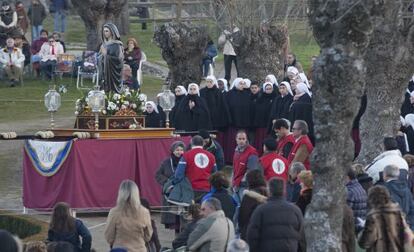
(270, 144)
(177, 144)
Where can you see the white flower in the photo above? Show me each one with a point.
(142, 97)
(104, 112)
(111, 106)
(78, 101)
(87, 99)
(126, 103)
(76, 113)
(123, 107)
(133, 106)
(77, 107)
(133, 126)
(116, 96)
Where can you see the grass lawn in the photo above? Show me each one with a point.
(26, 103)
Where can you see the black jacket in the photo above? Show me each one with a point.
(400, 194)
(270, 232)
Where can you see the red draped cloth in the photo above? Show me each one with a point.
(92, 172)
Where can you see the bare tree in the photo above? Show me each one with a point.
(390, 65)
(342, 29)
(182, 47)
(94, 14)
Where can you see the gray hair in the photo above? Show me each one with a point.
(213, 203)
(302, 126)
(296, 167)
(391, 171)
(238, 245)
(128, 200)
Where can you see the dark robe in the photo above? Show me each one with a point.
(407, 107)
(154, 119)
(280, 109)
(216, 103)
(262, 110)
(178, 99)
(355, 125)
(112, 64)
(409, 131)
(239, 103)
(301, 109)
(194, 119)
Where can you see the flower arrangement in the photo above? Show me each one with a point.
(126, 103)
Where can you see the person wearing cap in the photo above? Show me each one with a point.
(212, 146)
(180, 92)
(281, 104)
(154, 118)
(197, 165)
(269, 232)
(273, 164)
(12, 59)
(302, 149)
(8, 21)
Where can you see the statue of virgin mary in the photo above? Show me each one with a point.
(111, 58)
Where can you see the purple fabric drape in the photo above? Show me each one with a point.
(91, 175)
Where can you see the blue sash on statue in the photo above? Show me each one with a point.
(47, 157)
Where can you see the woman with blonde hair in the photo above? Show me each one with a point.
(305, 197)
(129, 223)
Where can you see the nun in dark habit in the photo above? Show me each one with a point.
(154, 117)
(239, 103)
(301, 108)
(281, 105)
(216, 103)
(180, 93)
(408, 104)
(111, 58)
(192, 113)
(261, 114)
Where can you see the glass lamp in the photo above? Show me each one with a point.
(52, 103)
(96, 101)
(167, 101)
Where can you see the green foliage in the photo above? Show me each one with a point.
(19, 226)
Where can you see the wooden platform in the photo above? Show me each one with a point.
(119, 133)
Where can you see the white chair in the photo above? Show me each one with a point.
(89, 68)
(139, 71)
(211, 66)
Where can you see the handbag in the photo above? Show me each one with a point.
(408, 236)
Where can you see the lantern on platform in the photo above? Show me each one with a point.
(52, 103)
(167, 101)
(96, 101)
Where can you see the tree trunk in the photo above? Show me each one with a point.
(390, 64)
(260, 51)
(339, 73)
(122, 21)
(94, 14)
(182, 47)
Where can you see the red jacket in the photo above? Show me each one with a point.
(303, 140)
(282, 142)
(199, 166)
(240, 163)
(274, 165)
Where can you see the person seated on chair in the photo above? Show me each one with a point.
(8, 21)
(12, 59)
(209, 53)
(128, 79)
(48, 54)
(35, 49)
(57, 37)
(22, 43)
(132, 57)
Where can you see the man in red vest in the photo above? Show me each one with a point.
(285, 139)
(272, 164)
(245, 159)
(197, 165)
(303, 147)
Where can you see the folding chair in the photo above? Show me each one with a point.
(139, 72)
(88, 68)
